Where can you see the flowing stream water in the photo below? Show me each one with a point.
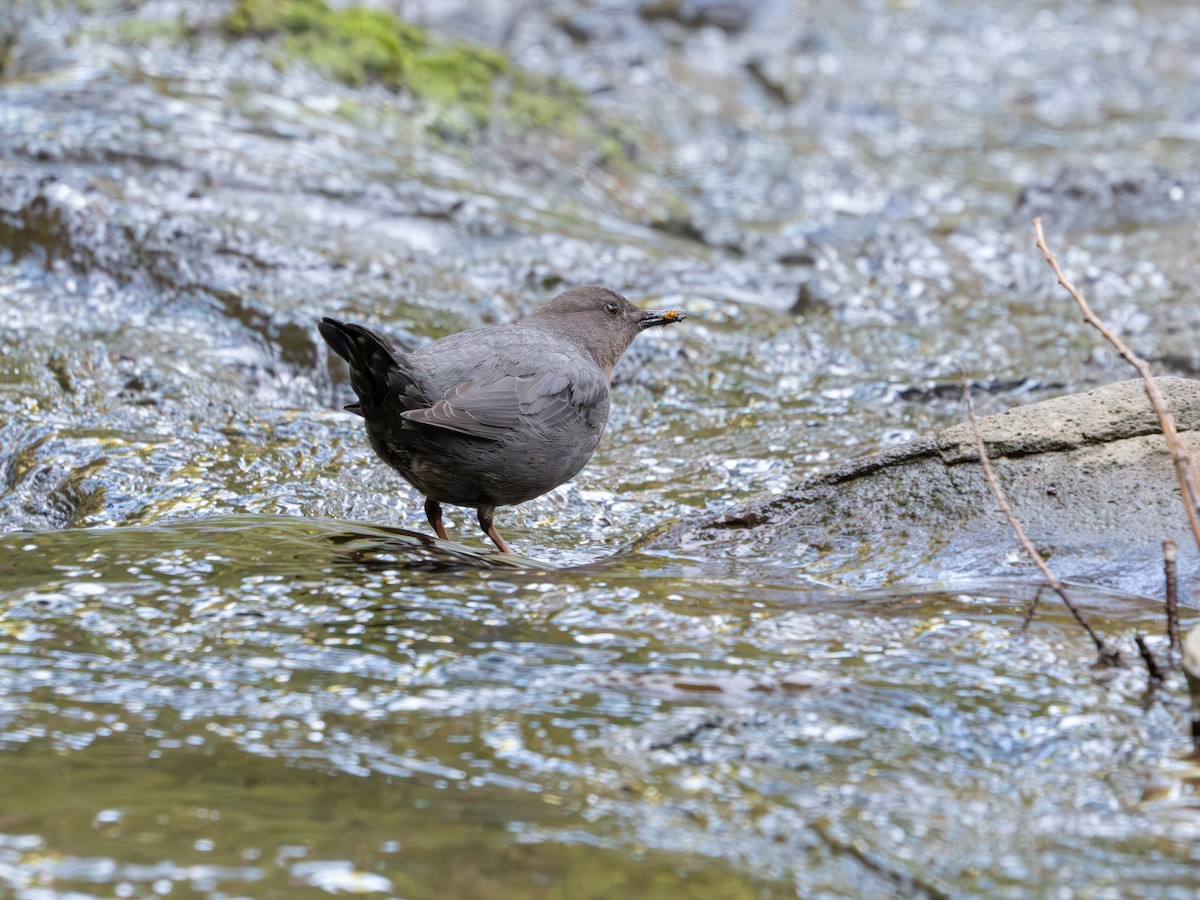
(228, 668)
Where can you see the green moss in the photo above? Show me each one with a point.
(356, 45)
(361, 46)
(143, 31)
(456, 76)
(467, 87)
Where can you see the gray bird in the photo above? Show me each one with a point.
(498, 415)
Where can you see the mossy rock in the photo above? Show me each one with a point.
(361, 46)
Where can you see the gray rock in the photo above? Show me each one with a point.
(728, 15)
(1088, 475)
(1094, 199)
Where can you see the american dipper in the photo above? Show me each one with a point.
(496, 415)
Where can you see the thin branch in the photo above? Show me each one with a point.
(1176, 646)
(1027, 618)
(1109, 657)
(1156, 674)
(857, 850)
(1185, 469)
(686, 737)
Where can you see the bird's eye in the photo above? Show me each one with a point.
(611, 307)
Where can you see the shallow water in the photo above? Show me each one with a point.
(220, 680)
(247, 704)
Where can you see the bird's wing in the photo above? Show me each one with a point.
(379, 373)
(493, 409)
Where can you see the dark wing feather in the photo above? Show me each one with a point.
(379, 373)
(493, 409)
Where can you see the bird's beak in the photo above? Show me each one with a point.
(652, 317)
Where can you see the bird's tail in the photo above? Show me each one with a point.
(372, 360)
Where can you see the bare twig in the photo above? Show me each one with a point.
(1027, 618)
(686, 737)
(1108, 656)
(1185, 469)
(1156, 674)
(1176, 646)
(857, 850)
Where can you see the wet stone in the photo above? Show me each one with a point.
(1088, 475)
(1096, 199)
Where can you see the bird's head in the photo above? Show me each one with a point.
(599, 320)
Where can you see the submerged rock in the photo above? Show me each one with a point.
(1092, 199)
(1088, 475)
